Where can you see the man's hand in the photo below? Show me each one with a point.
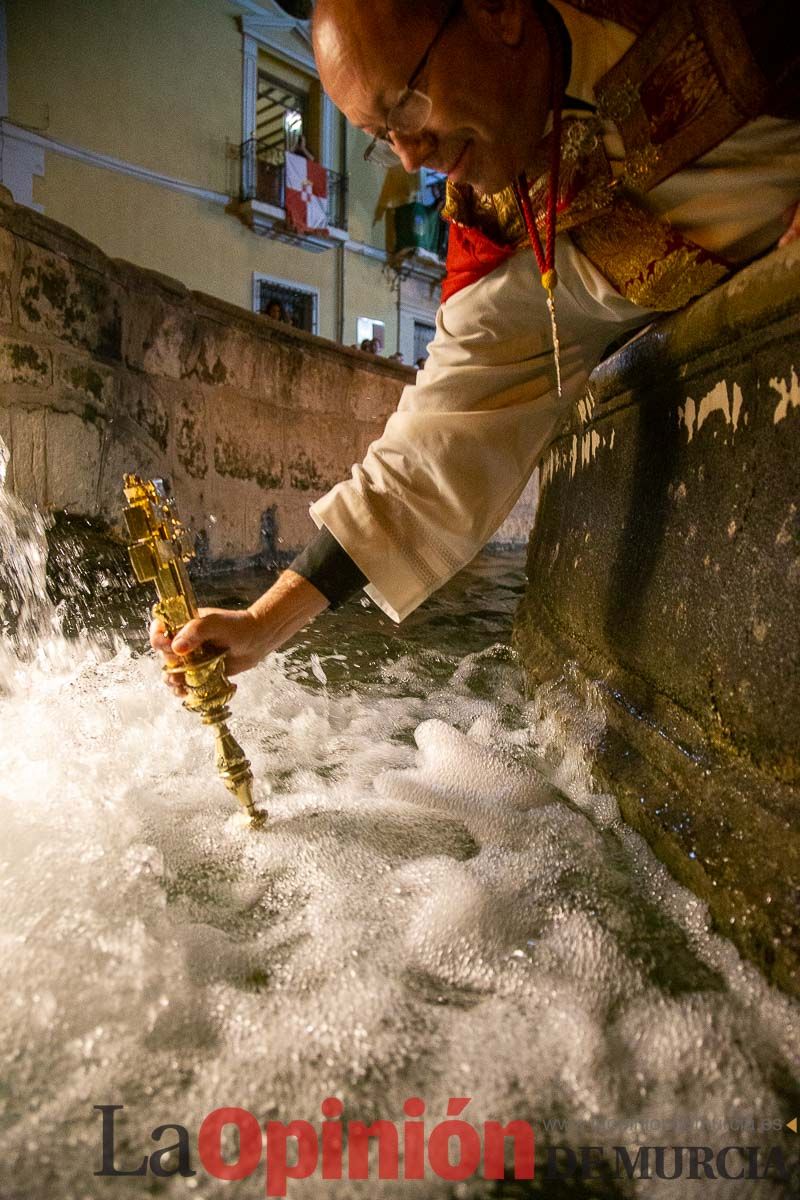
(246, 636)
(793, 232)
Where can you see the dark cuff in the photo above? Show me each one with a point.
(330, 568)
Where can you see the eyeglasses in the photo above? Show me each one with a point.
(411, 112)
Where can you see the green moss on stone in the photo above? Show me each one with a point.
(92, 416)
(229, 461)
(54, 288)
(27, 357)
(84, 379)
(153, 418)
(217, 374)
(304, 476)
(28, 307)
(191, 448)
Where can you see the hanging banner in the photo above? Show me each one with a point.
(306, 194)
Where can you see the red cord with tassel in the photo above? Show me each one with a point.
(545, 254)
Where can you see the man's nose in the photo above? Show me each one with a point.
(413, 150)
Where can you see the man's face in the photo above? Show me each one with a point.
(487, 79)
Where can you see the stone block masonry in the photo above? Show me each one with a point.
(106, 368)
(665, 567)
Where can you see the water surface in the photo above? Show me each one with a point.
(440, 905)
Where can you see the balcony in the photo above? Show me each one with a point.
(419, 236)
(262, 203)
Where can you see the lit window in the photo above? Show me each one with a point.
(370, 335)
(286, 302)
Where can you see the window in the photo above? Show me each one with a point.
(286, 301)
(285, 111)
(280, 126)
(423, 336)
(433, 186)
(284, 125)
(280, 114)
(369, 331)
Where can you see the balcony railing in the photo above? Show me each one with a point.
(420, 227)
(264, 180)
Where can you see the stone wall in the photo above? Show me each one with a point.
(665, 566)
(107, 368)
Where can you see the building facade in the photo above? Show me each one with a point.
(181, 134)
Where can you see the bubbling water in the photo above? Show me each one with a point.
(439, 906)
(25, 611)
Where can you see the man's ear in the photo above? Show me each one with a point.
(499, 20)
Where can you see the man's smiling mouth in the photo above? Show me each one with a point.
(452, 169)
(453, 165)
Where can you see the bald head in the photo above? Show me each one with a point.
(399, 12)
(357, 39)
(487, 78)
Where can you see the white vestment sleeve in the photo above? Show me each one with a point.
(467, 435)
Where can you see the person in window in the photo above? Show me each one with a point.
(301, 147)
(471, 89)
(276, 311)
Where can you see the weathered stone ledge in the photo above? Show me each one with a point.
(665, 566)
(106, 367)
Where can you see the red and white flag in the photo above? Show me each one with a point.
(306, 194)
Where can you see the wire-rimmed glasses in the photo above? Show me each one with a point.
(411, 112)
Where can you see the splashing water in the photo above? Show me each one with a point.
(25, 611)
(440, 906)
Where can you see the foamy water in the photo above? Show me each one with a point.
(439, 906)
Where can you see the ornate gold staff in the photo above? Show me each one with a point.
(159, 545)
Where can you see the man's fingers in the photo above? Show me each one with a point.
(162, 642)
(213, 629)
(219, 630)
(192, 636)
(158, 636)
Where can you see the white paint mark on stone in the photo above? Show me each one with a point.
(687, 415)
(582, 451)
(586, 407)
(722, 399)
(715, 401)
(789, 392)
